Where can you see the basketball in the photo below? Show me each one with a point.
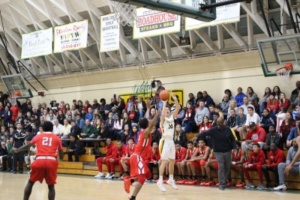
(164, 95)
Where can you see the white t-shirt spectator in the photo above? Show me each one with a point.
(57, 129)
(65, 130)
(254, 118)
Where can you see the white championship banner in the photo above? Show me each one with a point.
(70, 36)
(109, 33)
(152, 23)
(37, 43)
(225, 14)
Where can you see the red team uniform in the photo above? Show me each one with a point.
(128, 151)
(202, 153)
(111, 151)
(45, 165)
(139, 156)
(180, 154)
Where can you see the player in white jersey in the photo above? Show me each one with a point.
(168, 150)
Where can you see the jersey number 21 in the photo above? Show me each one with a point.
(47, 141)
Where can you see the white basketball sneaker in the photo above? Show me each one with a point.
(161, 186)
(173, 184)
(99, 175)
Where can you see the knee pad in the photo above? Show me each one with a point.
(141, 179)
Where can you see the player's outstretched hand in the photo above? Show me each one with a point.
(148, 104)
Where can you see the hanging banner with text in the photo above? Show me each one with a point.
(37, 43)
(110, 33)
(152, 23)
(225, 14)
(70, 36)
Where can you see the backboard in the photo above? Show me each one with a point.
(275, 52)
(16, 86)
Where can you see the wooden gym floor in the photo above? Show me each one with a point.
(73, 187)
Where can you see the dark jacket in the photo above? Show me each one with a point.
(77, 146)
(19, 138)
(272, 138)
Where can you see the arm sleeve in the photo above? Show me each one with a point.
(279, 160)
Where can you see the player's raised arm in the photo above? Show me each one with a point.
(163, 115)
(148, 105)
(151, 124)
(177, 106)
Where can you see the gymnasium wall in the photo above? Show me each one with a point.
(213, 74)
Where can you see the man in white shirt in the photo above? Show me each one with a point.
(57, 127)
(252, 116)
(65, 130)
(246, 105)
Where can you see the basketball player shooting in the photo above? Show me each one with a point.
(45, 165)
(139, 171)
(168, 147)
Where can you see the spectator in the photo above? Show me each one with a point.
(134, 134)
(179, 136)
(19, 138)
(117, 128)
(224, 105)
(121, 106)
(296, 102)
(95, 105)
(239, 97)
(207, 99)
(252, 96)
(295, 92)
(199, 97)
(267, 120)
(30, 157)
(57, 127)
(240, 123)
(141, 107)
(205, 125)
(65, 130)
(252, 116)
(229, 94)
(7, 116)
(61, 117)
(255, 163)
(3, 156)
(246, 105)
(275, 156)
(212, 111)
(272, 137)
(109, 123)
(88, 131)
(285, 128)
(89, 115)
(200, 113)
(192, 100)
(75, 130)
(126, 120)
(294, 133)
(284, 103)
(276, 92)
(156, 135)
(158, 90)
(231, 120)
(125, 134)
(75, 148)
(273, 104)
(188, 123)
(282, 166)
(232, 105)
(265, 98)
(255, 134)
(104, 132)
(133, 115)
(79, 121)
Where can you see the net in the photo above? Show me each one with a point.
(126, 13)
(283, 73)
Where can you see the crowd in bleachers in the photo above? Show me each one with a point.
(264, 125)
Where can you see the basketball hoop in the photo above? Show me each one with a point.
(126, 13)
(283, 73)
(13, 97)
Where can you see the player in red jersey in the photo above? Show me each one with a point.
(237, 161)
(139, 170)
(211, 164)
(180, 156)
(124, 162)
(45, 165)
(199, 159)
(183, 164)
(117, 154)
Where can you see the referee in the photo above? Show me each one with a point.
(223, 142)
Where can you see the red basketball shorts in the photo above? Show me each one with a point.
(138, 167)
(44, 169)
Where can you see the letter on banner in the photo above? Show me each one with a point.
(152, 23)
(70, 36)
(225, 14)
(109, 33)
(37, 43)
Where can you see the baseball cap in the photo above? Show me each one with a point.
(252, 124)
